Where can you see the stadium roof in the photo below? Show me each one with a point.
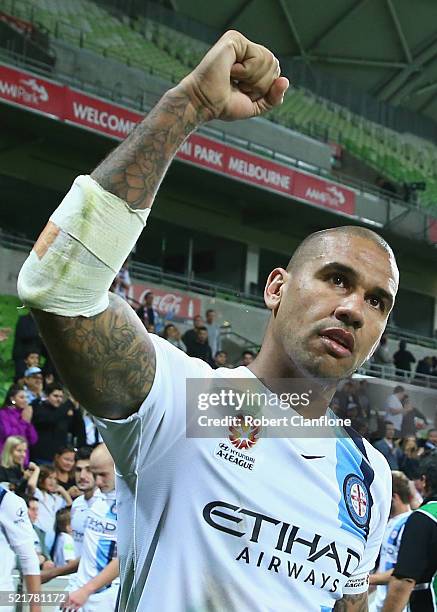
(388, 48)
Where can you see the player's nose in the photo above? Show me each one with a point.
(350, 311)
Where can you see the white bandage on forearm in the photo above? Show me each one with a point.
(73, 263)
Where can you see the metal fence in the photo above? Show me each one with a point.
(389, 372)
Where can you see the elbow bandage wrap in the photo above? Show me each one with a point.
(82, 248)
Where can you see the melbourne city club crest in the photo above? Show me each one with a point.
(356, 497)
(244, 437)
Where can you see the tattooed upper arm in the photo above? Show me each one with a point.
(107, 361)
(352, 603)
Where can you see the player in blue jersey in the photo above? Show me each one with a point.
(289, 524)
(95, 586)
(86, 483)
(399, 513)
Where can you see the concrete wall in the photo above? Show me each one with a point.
(10, 264)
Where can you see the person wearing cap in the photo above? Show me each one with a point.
(414, 578)
(33, 384)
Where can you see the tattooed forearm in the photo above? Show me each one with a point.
(352, 603)
(107, 361)
(135, 169)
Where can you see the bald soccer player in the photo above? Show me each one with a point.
(95, 585)
(299, 524)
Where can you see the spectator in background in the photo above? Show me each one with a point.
(63, 545)
(200, 347)
(382, 354)
(92, 434)
(33, 384)
(246, 358)
(16, 419)
(121, 283)
(12, 467)
(26, 339)
(394, 409)
(433, 365)
(31, 360)
(412, 419)
(76, 432)
(403, 359)
(40, 545)
(385, 185)
(347, 397)
(221, 360)
(409, 461)
(52, 497)
(190, 336)
(172, 335)
(146, 312)
(53, 422)
(363, 399)
(213, 328)
(64, 465)
(424, 367)
(48, 379)
(430, 445)
(388, 448)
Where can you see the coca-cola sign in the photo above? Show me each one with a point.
(171, 305)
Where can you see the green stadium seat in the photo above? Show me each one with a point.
(161, 50)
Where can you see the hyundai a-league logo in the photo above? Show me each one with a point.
(356, 497)
(244, 437)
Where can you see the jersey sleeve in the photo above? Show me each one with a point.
(68, 548)
(358, 582)
(19, 533)
(161, 418)
(415, 548)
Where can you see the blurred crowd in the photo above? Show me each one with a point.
(401, 362)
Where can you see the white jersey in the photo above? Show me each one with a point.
(17, 537)
(64, 550)
(79, 513)
(205, 526)
(49, 504)
(389, 552)
(99, 545)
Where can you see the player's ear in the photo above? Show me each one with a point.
(274, 288)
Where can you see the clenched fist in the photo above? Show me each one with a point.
(236, 79)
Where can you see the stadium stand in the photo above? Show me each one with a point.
(87, 25)
(394, 155)
(170, 54)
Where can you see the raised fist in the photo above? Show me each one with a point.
(236, 79)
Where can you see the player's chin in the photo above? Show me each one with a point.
(334, 367)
